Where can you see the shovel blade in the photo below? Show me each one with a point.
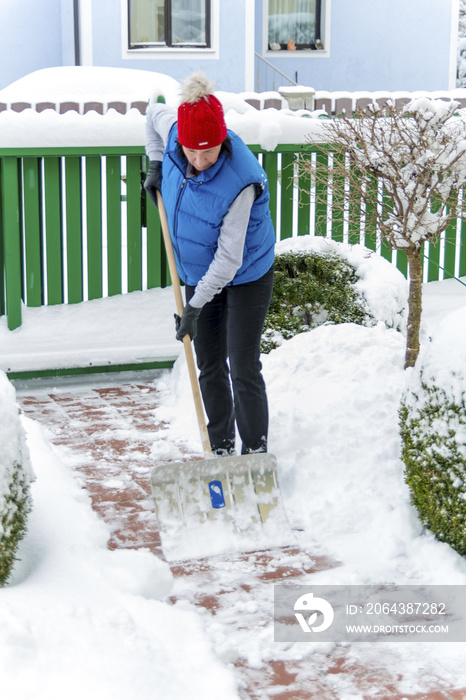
(211, 506)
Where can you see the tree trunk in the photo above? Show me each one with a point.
(414, 307)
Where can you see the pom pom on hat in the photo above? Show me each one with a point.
(201, 122)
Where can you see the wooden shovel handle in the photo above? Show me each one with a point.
(186, 340)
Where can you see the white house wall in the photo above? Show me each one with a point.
(373, 45)
(30, 37)
(369, 44)
(224, 62)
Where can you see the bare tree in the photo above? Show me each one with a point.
(404, 169)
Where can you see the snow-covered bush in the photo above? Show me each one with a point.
(15, 478)
(320, 281)
(433, 432)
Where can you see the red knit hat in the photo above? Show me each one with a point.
(201, 122)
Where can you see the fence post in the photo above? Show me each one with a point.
(462, 242)
(270, 165)
(286, 195)
(298, 97)
(94, 225)
(33, 282)
(11, 248)
(450, 243)
(53, 229)
(134, 222)
(321, 188)
(113, 202)
(74, 228)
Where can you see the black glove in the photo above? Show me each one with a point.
(153, 180)
(187, 324)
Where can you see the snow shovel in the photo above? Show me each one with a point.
(213, 505)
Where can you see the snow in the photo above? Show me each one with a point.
(91, 333)
(47, 129)
(80, 621)
(10, 438)
(89, 84)
(31, 129)
(334, 395)
(449, 376)
(87, 622)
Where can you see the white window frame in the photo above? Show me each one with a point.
(308, 54)
(177, 52)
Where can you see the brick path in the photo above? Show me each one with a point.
(104, 432)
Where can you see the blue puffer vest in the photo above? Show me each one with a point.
(196, 207)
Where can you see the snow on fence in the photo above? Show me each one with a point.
(333, 103)
(76, 223)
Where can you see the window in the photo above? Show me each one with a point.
(294, 24)
(174, 23)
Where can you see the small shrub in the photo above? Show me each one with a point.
(15, 478)
(311, 289)
(14, 509)
(433, 434)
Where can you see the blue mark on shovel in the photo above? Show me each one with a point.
(216, 494)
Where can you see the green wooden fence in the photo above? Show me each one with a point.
(73, 225)
(76, 224)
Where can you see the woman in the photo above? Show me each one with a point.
(216, 197)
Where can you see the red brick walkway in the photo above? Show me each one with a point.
(105, 433)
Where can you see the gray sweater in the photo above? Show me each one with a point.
(229, 254)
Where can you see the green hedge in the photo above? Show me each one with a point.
(433, 433)
(310, 289)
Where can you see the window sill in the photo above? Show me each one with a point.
(169, 52)
(299, 53)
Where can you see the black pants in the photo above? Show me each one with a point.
(228, 348)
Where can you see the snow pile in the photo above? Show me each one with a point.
(80, 621)
(31, 129)
(12, 439)
(49, 129)
(443, 362)
(232, 101)
(339, 389)
(133, 327)
(89, 84)
(270, 127)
